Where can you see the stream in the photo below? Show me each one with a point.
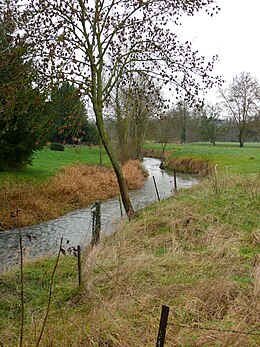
(76, 226)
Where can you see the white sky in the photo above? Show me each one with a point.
(233, 34)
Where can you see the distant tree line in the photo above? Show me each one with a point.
(182, 123)
(137, 110)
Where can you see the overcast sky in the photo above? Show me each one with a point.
(233, 34)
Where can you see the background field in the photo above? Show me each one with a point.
(47, 163)
(227, 156)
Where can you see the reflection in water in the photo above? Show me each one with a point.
(76, 226)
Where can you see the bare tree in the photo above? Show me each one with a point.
(99, 43)
(241, 100)
(161, 130)
(209, 125)
(135, 103)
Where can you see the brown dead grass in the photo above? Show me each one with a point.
(189, 165)
(72, 188)
(180, 256)
(179, 253)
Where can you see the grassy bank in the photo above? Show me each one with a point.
(47, 163)
(197, 252)
(226, 156)
(59, 182)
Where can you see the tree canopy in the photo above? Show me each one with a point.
(69, 116)
(100, 43)
(242, 101)
(22, 120)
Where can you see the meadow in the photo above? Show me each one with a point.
(46, 163)
(196, 252)
(227, 156)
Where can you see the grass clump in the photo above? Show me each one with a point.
(185, 253)
(37, 278)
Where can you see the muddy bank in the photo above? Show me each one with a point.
(73, 188)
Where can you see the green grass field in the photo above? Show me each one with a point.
(47, 163)
(226, 155)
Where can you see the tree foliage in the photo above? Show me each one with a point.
(101, 43)
(22, 117)
(69, 116)
(134, 104)
(210, 127)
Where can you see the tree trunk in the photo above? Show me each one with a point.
(97, 102)
(115, 163)
(240, 139)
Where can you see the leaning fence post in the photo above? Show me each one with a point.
(163, 325)
(175, 179)
(79, 264)
(120, 204)
(158, 196)
(96, 224)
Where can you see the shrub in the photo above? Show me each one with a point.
(57, 147)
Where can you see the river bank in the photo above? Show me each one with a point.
(72, 188)
(76, 226)
(196, 252)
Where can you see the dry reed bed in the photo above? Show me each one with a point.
(189, 165)
(201, 167)
(73, 187)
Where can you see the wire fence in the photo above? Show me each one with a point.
(194, 326)
(167, 320)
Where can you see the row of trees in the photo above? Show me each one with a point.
(140, 115)
(183, 124)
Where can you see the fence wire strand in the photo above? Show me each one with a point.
(195, 327)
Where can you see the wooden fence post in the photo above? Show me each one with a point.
(79, 264)
(163, 325)
(158, 196)
(175, 179)
(96, 224)
(120, 204)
